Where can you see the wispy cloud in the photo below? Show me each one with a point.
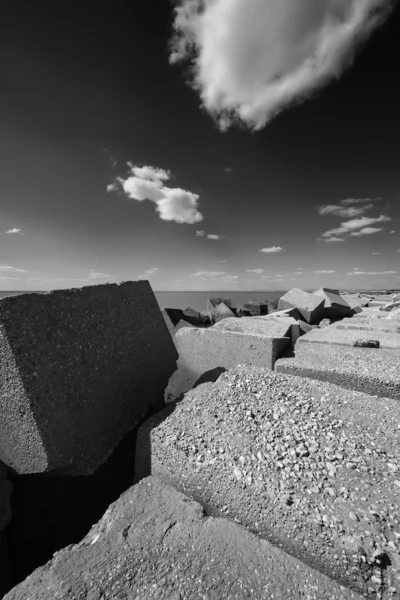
(251, 60)
(375, 253)
(200, 233)
(298, 273)
(271, 250)
(10, 278)
(148, 183)
(208, 273)
(393, 231)
(96, 275)
(354, 226)
(12, 269)
(254, 270)
(213, 236)
(15, 230)
(324, 271)
(332, 240)
(372, 273)
(223, 261)
(228, 169)
(148, 273)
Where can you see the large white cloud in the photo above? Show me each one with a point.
(251, 59)
(147, 183)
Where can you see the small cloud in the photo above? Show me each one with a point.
(331, 240)
(12, 270)
(359, 200)
(373, 273)
(393, 231)
(148, 183)
(96, 275)
(366, 231)
(229, 278)
(208, 273)
(223, 261)
(323, 272)
(375, 253)
(212, 236)
(298, 273)
(342, 211)
(148, 273)
(271, 250)
(11, 278)
(228, 169)
(254, 270)
(200, 233)
(15, 230)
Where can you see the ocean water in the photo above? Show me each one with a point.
(196, 300)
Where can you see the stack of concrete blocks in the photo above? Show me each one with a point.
(310, 307)
(220, 308)
(78, 369)
(175, 319)
(335, 307)
(250, 340)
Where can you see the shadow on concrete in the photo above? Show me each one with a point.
(53, 510)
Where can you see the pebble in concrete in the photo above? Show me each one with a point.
(303, 463)
(155, 542)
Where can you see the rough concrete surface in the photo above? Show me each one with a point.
(310, 307)
(78, 369)
(354, 300)
(347, 337)
(305, 464)
(155, 542)
(369, 324)
(251, 340)
(361, 369)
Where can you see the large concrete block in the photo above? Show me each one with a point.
(307, 465)
(310, 307)
(335, 307)
(155, 542)
(362, 369)
(78, 369)
(256, 309)
(220, 312)
(347, 337)
(250, 340)
(371, 323)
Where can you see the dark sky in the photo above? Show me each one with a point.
(85, 91)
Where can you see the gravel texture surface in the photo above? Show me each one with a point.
(367, 370)
(346, 337)
(305, 464)
(156, 543)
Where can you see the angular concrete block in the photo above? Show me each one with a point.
(250, 340)
(369, 324)
(155, 542)
(335, 307)
(212, 303)
(78, 369)
(256, 309)
(347, 337)
(307, 465)
(361, 369)
(222, 311)
(310, 307)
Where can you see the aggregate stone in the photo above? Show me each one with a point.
(305, 466)
(156, 543)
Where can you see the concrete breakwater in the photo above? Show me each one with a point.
(254, 483)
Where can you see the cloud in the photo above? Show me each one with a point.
(12, 270)
(11, 278)
(375, 253)
(372, 273)
(223, 261)
(366, 231)
(96, 275)
(148, 183)
(298, 273)
(200, 233)
(359, 201)
(250, 60)
(348, 227)
(343, 211)
(208, 273)
(393, 231)
(254, 270)
(229, 278)
(271, 250)
(15, 230)
(148, 273)
(323, 272)
(228, 169)
(212, 236)
(332, 240)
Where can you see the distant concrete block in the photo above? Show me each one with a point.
(369, 324)
(356, 300)
(212, 303)
(347, 337)
(250, 340)
(335, 307)
(78, 369)
(310, 307)
(256, 309)
(390, 306)
(374, 372)
(221, 311)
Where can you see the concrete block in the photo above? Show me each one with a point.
(369, 324)
(374, 372)
(377, 303)
(289, 458)
(194, 317)
(231, 342)
(155, 542)
(310, 307)
(78, 369)
(221, 311)
(256, 309)
(288, 312)
(335, 307)
(347, 337)
(212, 303)
(394, 314)
(356, 300)
(390, 306)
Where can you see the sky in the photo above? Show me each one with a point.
(200, 144)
